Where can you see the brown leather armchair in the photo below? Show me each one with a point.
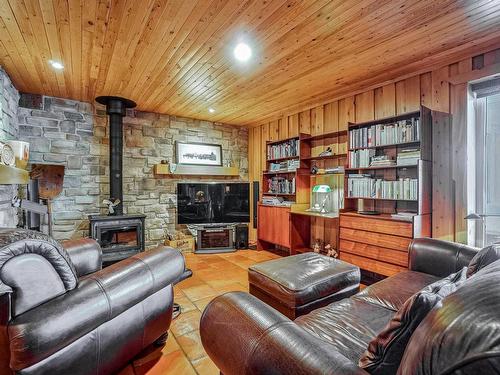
(61, 313)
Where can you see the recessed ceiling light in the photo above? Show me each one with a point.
(242, 52)
(211, 110)
(56, 64)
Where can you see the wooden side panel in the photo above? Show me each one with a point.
(459, 155)
(274, 225)
(274, 131)
(347, 112)
(293, 125)
(365, 106)
(441, 90)
(265, 136)
(426, 90)
(383, 254)
(408, 95)
(317, 120)
(284, 127)
(305, 122)
(331, 120)
(385, 101)
(442, 180)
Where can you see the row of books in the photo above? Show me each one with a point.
(366, 158)
(280, 185)
(385, 134)
(283, 150)
(286, 165)
(361, 158)
(365, 186)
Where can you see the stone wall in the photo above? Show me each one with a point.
(9, 98)
(74, 134)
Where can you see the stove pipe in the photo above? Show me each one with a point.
(116, 108)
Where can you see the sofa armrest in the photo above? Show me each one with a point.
(42, 331)
(85, 254)
(243, 335)
(437, 257)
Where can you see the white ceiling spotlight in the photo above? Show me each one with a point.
(242, 52)
(211, 110)
(56, 64)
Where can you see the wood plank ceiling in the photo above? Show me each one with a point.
(175, 56)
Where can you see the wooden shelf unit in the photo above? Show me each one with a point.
(379, 243)
(301, 223)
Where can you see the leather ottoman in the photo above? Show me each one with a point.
(298, 284)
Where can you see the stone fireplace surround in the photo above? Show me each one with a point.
(73, 133)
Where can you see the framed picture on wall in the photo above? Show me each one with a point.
(193, 153)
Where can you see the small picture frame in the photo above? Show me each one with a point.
(194, 153)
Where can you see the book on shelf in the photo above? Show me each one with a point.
(361, 158)
(408, 157)
(402, 131)
(382, 161)
(284, 149)
(366, 186)
(280, 185)
(284, 166)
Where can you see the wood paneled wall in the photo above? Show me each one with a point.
(431, 89)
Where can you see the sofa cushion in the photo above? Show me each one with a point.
(463, 335)
(483, 258)
(385, 351)
(393, 292)
(349, 325)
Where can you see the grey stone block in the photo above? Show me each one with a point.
(67, 126)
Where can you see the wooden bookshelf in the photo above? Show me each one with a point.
(379, 243)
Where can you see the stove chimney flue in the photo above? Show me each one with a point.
(116, 109)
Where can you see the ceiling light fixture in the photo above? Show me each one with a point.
(242, 52)
(56, 64)
(211, 110)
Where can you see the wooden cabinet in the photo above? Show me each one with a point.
(273, 226)
(379, 243)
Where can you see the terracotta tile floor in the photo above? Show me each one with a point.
(183, 352)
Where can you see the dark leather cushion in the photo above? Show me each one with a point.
(393, 291)
(85, 254)
(14, 242)
(385, 351)
(463, 335)
(348, 325)
(437, 257)
(483, 258)
(300, 279)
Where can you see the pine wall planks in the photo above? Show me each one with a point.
(430, 89)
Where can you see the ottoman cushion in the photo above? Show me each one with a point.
(300, 279)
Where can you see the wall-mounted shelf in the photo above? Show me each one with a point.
(202, 170)
(12, 175)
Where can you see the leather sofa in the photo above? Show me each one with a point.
(243, 335)
(62, 314)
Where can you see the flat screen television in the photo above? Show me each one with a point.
(213, 203)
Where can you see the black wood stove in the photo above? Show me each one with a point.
(120, 236)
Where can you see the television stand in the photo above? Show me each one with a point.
(212, 239)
